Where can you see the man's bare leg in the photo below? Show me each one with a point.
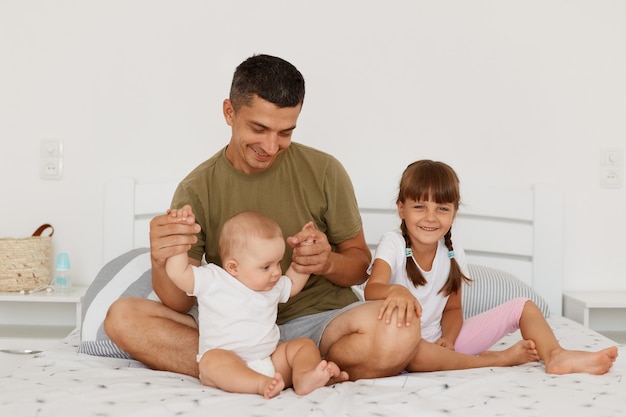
(155, 335)
(366, 347)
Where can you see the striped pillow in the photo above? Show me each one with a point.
(128, 275)
(491, 287)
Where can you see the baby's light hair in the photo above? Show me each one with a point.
(239, 228)
(427, 180)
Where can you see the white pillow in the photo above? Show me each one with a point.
(128, 275)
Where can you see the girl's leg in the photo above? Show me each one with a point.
(300, 363)
(430, 357)
(556, 359)
(225, 370)
(482, 331)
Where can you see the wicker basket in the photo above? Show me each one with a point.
(25, 262)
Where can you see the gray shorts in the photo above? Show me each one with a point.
(312, 326)
(193, 312)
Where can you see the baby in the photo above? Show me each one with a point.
(238, 304)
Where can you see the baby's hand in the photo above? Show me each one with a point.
(310, 240)
(182, 215)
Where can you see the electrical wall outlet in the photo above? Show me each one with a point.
(51, 159)
(612, 168)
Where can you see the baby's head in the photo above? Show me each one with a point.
(251, 247)
(240, 229)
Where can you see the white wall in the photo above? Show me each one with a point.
(507, 92)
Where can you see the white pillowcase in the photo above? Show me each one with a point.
(128, 275)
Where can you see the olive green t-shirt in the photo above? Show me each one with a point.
(303, 184)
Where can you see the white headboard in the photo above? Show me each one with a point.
(518, 230)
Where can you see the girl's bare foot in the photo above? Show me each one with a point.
(523, 351)
(562, 361)
(273, 386)
(306, 382)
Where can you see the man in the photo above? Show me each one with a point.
(261, 169)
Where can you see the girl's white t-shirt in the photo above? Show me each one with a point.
(391, 249)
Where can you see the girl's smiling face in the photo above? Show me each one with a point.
(426, 221)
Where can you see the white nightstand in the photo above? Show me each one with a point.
(34, 321)
(582, 306)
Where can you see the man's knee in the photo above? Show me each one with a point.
(118, 317)
(367, 347)
(396, 346)
(384, 353)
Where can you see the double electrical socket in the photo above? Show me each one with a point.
(612, 168)
(51, 159)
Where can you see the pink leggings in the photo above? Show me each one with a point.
(482, 331)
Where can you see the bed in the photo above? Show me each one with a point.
(513, 238)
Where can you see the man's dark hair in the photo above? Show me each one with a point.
(271, 78)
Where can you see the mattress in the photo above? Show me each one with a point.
(63, 382)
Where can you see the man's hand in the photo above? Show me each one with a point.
(311, 250)
(172, 233)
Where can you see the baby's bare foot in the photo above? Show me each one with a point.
(306, 382)
(273, 387)
(337, 374)
(564, 361)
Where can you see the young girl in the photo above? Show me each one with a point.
(419, 273)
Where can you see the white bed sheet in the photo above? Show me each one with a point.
(61, 382)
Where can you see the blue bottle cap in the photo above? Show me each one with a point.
(63, 262)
